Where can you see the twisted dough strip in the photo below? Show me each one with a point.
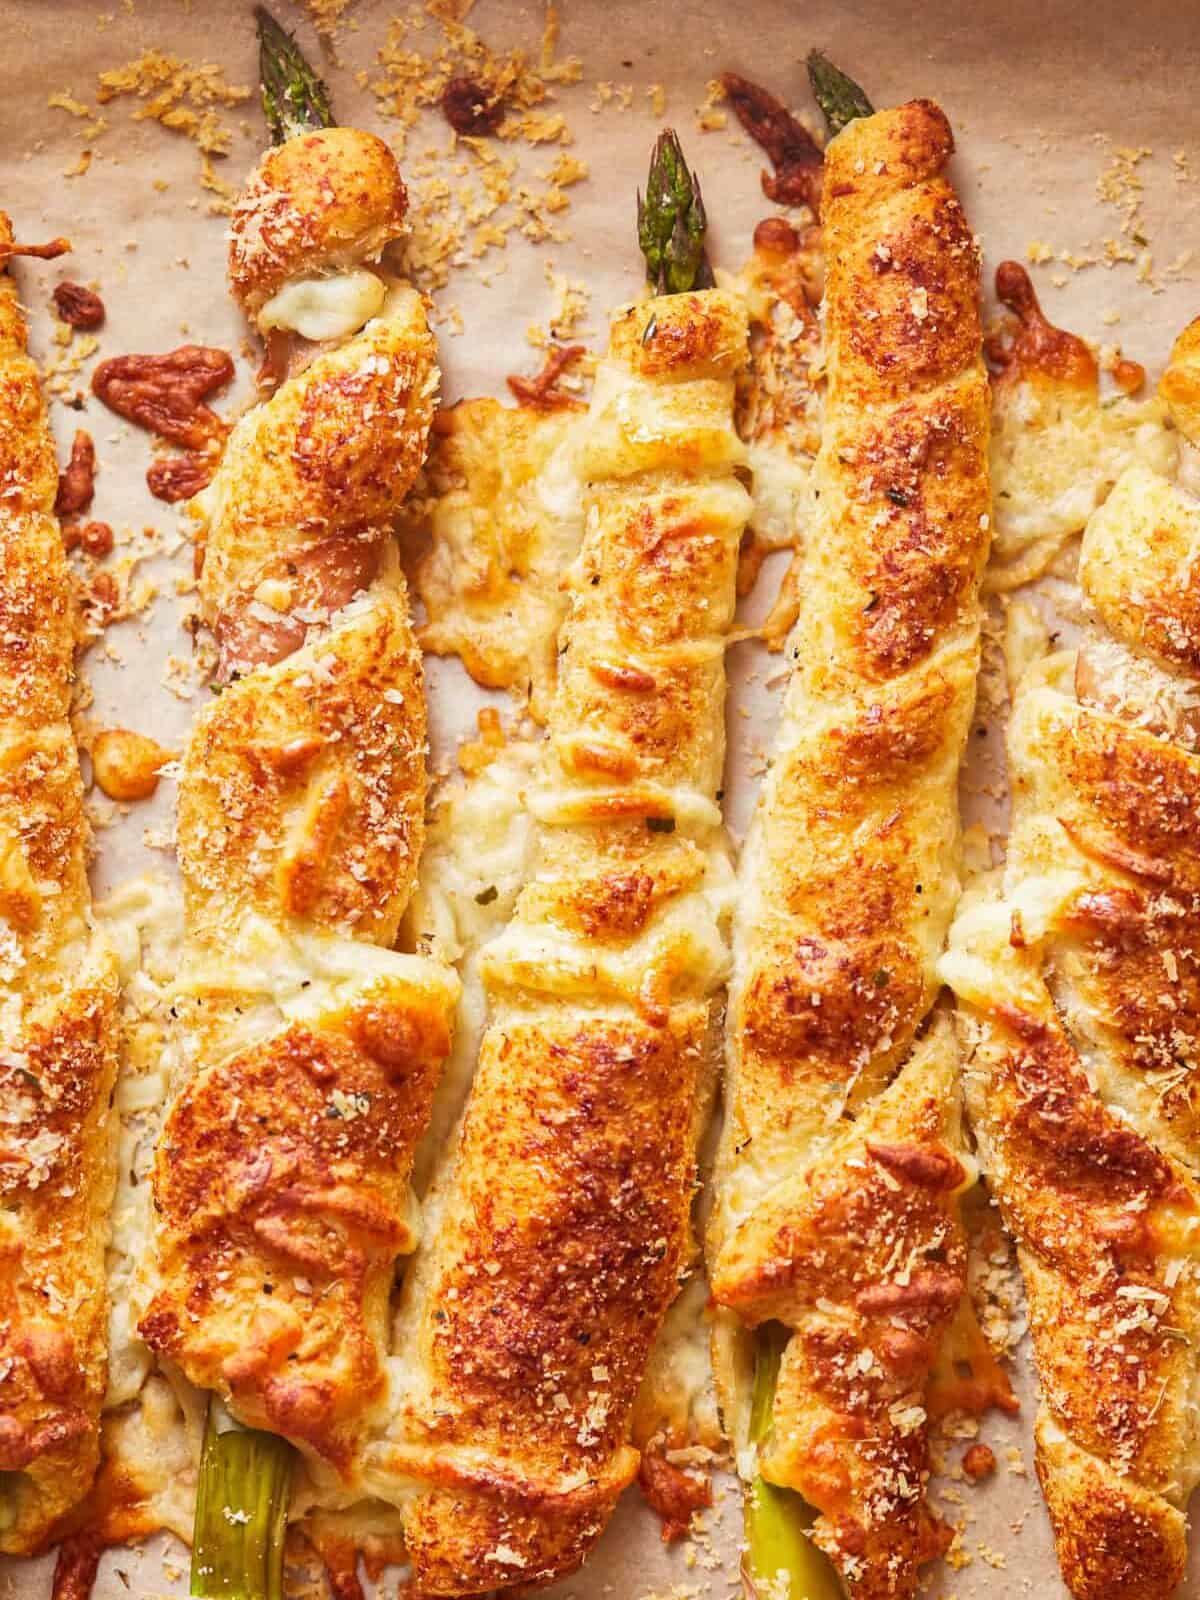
(562, 1215)
(836, 1208)
(281, 1180)
(57, 1000)
(1080, 977)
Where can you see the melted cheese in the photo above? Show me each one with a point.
(685, 806)
(504, 513)
(634, 421)
(783, 492)
(1056, 452)
(152, 1428)
(325, 307)
(144, 920)
(779, 399)
(479, 851)
(981, 963)
(678, 1397)
(156, 1446)
(1026, 640)
(692, 931)
(301, 975)
(505, 521)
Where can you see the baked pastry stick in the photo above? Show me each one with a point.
(835, 1231)
(311, 1048)
(1079, 975)
(57, 998)
(560, 1226)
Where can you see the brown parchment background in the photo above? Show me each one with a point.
(1040, 92)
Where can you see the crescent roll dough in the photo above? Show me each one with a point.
(836, 1209)
(281, 1183)
(58, 988)
(560, 1225)
(1079, 974)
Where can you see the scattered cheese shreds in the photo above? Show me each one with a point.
(65, 101)
(469, 194)
(326, 14)
(709, 118)
(178, 95)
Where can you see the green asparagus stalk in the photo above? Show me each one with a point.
(294, 98)
(839, 97)
(241, 1511)
(672, 223)
(781, 1561)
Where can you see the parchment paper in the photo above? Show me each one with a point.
(1041, 94)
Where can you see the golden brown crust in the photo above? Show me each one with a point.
(327, 460)
(841, 974)
(1138, 572)
(563, 1211)
(277, 1252)
(1100, 1215)
(863, 1256)
(303, 791)
(1078, 976)
(594, 1132)
(318, 201)
(548, 1292)
(281, 1182)
(850, 874)
(1112, 1539)
(57, 999)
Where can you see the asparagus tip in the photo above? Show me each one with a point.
(295, 99)
(841, 99)
(671, 221)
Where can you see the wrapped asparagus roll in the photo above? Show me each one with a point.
(562, 1212)
(835, 1236)
(281, 1184)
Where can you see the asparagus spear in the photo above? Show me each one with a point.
(241, 1511)
(781, 1560)
(839, 97)
(671, 222)
(245, 1474)
(294, 98)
